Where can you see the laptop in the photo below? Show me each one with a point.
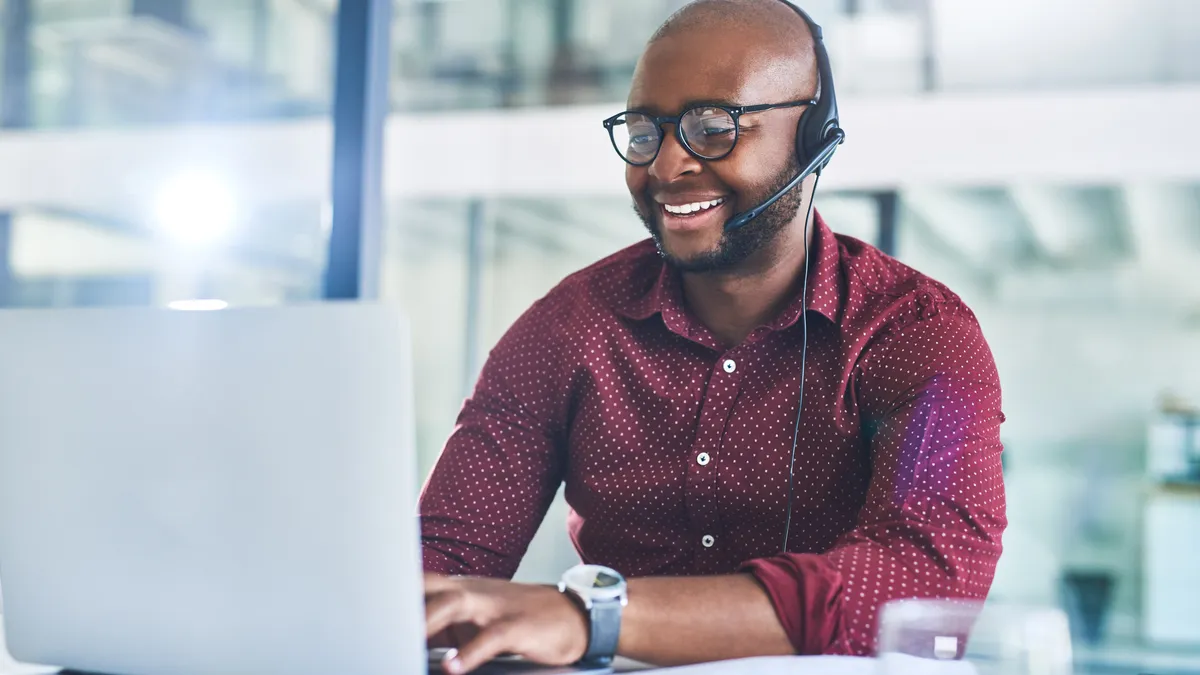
(190, 493)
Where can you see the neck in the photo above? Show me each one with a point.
(733, 304)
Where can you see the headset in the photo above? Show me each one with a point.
(818, 133)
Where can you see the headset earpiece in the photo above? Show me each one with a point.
(817, 132)
(808, 134)
(818, 124)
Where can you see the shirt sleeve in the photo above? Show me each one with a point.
(502, 464)
(934, 512)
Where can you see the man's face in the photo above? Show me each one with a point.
(719, 66)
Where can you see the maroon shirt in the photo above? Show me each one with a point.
(675, 450)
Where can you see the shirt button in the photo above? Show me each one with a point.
(708, 541)
(730, 366)
(702, 459)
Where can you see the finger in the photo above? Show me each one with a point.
(492, 641)
(445, 609)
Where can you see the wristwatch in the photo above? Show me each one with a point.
(601, 593)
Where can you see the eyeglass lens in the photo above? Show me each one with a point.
(708, 132)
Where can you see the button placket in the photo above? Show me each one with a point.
(703, 510)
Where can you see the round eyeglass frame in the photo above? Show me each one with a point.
(734, 112)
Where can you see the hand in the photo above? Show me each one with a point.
(485, 618)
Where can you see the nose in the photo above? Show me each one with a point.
(673, 160)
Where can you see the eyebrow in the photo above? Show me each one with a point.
(650, 110)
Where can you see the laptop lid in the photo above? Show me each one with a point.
(188, 493)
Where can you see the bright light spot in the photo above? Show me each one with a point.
(198, 305)
(197, 208)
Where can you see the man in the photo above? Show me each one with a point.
(663, 385)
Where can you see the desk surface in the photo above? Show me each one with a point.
(798, 665)
(1088, 661)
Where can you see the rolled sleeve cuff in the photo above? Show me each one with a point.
(806, 591)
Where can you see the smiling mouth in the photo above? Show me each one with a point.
(695, 216)
(693, 208)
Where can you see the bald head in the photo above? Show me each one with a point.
(760, 39)
(769, 15)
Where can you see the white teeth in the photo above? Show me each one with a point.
(684, 209)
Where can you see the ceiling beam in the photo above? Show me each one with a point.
(948, 140)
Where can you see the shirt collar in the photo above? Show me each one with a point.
(825, 293)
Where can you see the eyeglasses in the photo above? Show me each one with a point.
(706, 131)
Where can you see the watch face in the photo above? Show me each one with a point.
(595, 582)
(605, 579)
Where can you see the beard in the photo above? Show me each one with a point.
(736, 246)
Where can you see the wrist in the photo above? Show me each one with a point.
(599, 593)
(631, 619)
(579, 620)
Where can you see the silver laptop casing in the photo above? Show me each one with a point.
(194, 493)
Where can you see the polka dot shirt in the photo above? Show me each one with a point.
(674, 450)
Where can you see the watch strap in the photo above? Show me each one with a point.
(604, 631)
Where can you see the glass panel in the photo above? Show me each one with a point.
(425, 268)
(502, 53)
(154, 203)
(129, 62)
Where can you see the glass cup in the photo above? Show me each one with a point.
(953, 637)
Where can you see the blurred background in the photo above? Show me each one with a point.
(1041, 157)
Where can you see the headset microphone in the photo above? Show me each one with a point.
(836, 136)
